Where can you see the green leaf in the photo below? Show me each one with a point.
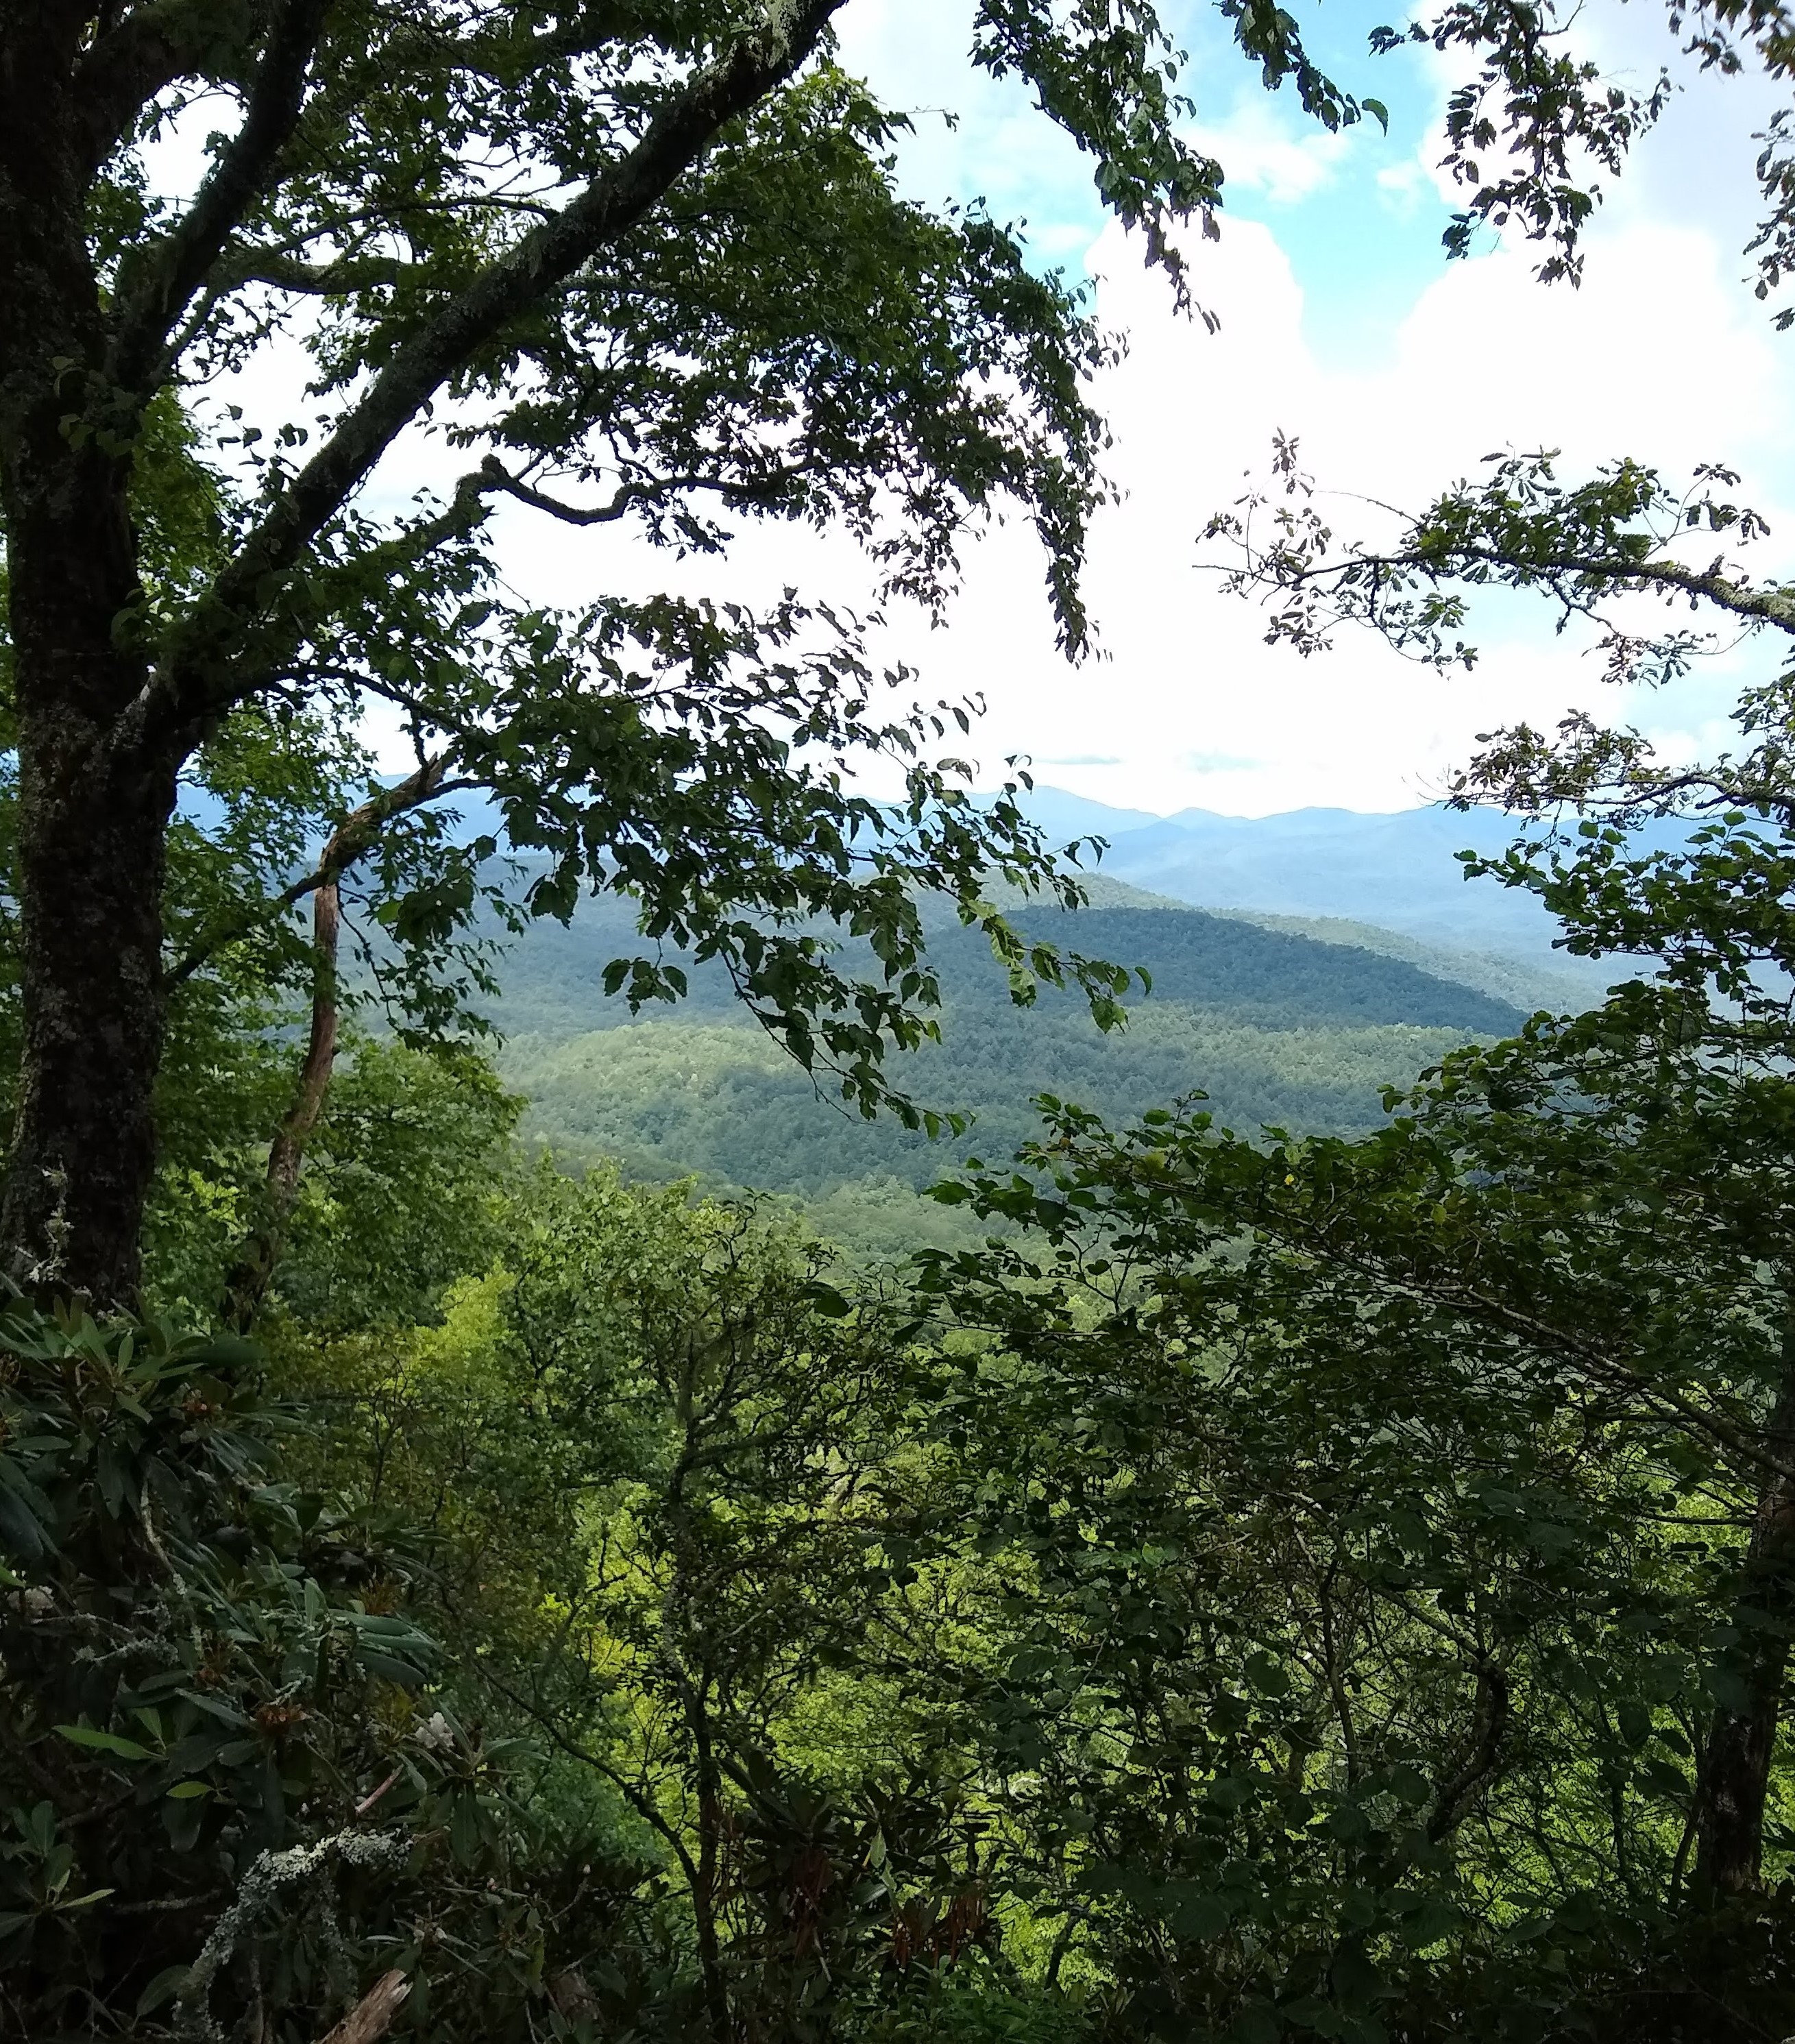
(390, 1669)
(1268, 1675)
(1356, 1980)
(104, 1742)
(163, 1989)
(464, 1827)
(1256, 2023)
(1197, 1915)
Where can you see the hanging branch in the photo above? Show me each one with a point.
(253, 1271)
(248, 1284)
(356, 834)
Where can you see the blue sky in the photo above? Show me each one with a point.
(1341, 323)
(1362, 226)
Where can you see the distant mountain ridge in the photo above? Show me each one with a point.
(1395, 871)
(1386, 882)
(1275, 1027)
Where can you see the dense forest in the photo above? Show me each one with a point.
(1295, 1540)
(1275, 1028)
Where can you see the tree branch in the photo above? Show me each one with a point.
(639, 1800)
(1769, 606)
(510, 57)
(287, 273)
(1466, 1299)
(246, 1285)
(155, 298)
(1489, 1726)
(493, 474)
(372, 2016)
(133, 60)
(1396, 1272)
(196, 679)
(353, 836)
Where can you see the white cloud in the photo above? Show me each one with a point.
(975, 136)
(1403, 187)
(1258, 148)
(1194, 708)
(1661, 355)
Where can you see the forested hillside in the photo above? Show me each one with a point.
(1308, 1565)
(1273, 1028)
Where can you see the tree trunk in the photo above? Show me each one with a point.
(1751, 1677)
(92, 819)
(91, 847)
(704, 1887)
(246, 1285)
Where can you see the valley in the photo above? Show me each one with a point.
(1276, 1026)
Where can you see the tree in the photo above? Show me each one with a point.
(1679, 1085)
(645, 265)
(665, 1475)
(1388, 1505)
(654, 252)
(1674, 1094)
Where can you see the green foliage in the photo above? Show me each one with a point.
(1280, 1030)
(1384, 1624)
(701, 300)
(670, 1485)
(232, 1794)
(650, 268)
(1410, 1510)
(668, 1098)
(397, 1198)
(1336, 1582)
(748, 321)
(1580, 545)
(187, 1663)
(1304, 1586)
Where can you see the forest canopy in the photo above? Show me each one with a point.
(1320, 1570)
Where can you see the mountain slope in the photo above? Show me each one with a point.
(1395, 871)
(1273, 1026)
(1561, 982)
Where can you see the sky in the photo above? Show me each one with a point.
(1339, 322)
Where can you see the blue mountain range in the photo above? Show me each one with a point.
(1397, 871)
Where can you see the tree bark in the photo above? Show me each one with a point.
(1752, 1676)
(92, 815)
(705, 1895)
(248, 1284)
(91, 849)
